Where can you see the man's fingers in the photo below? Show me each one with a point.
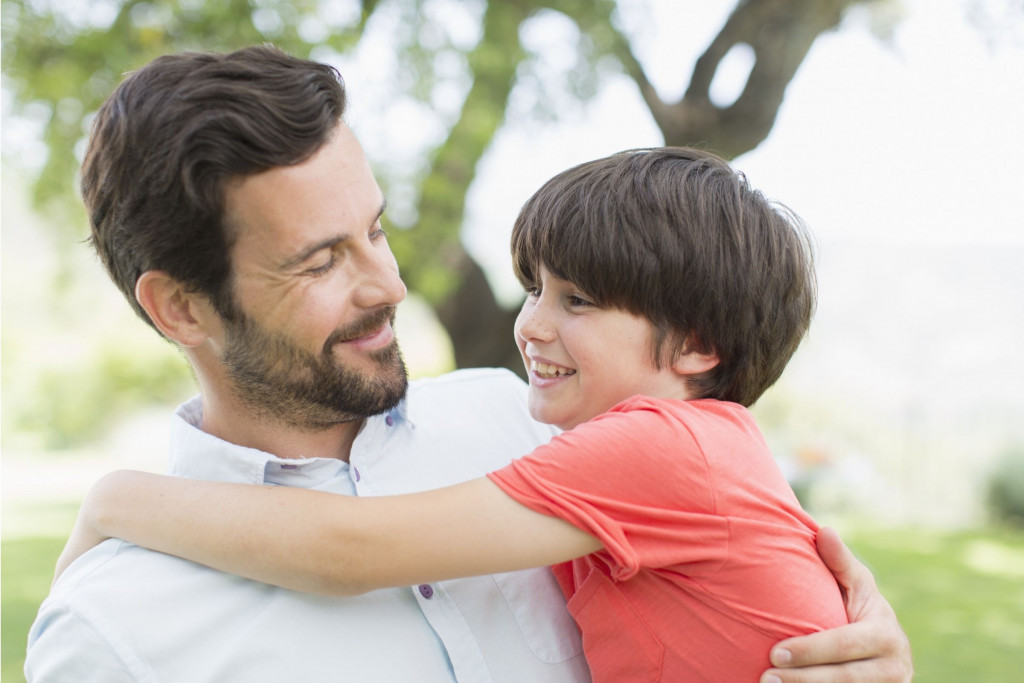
(874, 648)
(833, 551)
(834, 646)
(874, 670)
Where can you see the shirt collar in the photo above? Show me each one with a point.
(195, 454)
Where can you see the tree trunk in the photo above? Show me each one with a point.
(780, 32)
(480, 329)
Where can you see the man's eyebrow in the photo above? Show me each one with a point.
(327, 243)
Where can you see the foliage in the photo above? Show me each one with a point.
(959, 597)
(105, 387)
(1006, 487)
(59, 64)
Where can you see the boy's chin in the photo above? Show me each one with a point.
(552, 417)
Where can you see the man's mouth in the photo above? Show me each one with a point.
(368, 327)
(549, 370)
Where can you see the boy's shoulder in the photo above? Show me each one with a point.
(710, 408)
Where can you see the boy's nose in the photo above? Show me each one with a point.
(533, 325)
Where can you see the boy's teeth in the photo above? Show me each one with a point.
(547, 370)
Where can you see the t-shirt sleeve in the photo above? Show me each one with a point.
(636, 479)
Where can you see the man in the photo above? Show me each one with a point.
(239, 216)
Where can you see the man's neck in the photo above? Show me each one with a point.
(232, 421)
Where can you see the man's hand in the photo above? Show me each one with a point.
(871, 648)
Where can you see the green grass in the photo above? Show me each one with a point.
(26, 574)
(959, 596)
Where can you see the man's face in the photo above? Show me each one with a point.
(316, 286)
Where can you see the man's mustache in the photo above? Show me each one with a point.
(360, 328)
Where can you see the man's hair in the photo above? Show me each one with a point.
(677, 236)
(166, 143)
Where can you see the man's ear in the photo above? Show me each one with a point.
(182, 316)
(690, 361)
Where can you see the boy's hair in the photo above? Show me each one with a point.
(677, 236)
(166, 143)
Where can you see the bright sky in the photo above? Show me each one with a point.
(914, 139)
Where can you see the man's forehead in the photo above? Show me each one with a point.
(331, 191)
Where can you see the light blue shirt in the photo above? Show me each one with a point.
(122, 613)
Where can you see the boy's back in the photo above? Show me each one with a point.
(709, 559)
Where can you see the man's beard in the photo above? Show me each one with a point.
(312, 392)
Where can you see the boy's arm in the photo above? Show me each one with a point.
(326, 543)
(871, 648)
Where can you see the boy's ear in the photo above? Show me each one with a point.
(691, 362)
(183, 316)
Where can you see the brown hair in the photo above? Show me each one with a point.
(677, 236)
(166, 142)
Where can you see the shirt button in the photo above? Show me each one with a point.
(355, 471)
(426, 590)
(390, 421)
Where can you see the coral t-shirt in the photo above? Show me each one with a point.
(708, 558)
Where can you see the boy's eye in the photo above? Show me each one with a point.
(532, 290)
(575, 300)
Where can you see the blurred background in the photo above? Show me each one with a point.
(893, 127)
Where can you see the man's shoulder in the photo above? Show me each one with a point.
(111, 570)
(90, 614)
(480, 410)
(470, 379)
(474, 388)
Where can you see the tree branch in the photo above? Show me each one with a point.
(781, 33)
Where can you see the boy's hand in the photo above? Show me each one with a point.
(84, 536)
(82, 539)
(871, 648)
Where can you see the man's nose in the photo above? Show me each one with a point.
(381, 283)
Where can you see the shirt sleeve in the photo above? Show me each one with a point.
(635, 478)
(63, 647)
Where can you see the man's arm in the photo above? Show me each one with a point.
(871, 648)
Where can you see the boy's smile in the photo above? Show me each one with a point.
(549, 370)
(583, 359)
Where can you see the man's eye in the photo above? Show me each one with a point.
(378, 234)
(321, 270)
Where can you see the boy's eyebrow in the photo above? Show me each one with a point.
(327, 243)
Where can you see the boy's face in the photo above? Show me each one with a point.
(582, 359)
